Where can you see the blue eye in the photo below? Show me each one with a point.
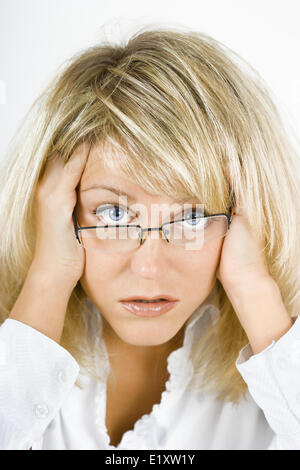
(112, 213)
(195, 217)
(115, 213)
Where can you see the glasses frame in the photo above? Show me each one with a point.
(77, 228)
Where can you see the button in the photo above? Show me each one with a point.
(61, 376)
(41, 410)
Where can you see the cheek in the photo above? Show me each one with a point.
(101, 267)
(203, 264)
(199, 275)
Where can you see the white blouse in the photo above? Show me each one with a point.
(41, 407)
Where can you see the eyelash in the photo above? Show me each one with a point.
(109, 206)
(112, 205)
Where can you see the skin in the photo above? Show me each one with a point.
(237, 260)
(252, 291)
(140, 344)
(154, 268)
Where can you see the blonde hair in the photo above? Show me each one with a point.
(183, 113)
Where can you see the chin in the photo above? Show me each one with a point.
(150, 334)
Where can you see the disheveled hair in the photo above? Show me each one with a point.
(183, 113)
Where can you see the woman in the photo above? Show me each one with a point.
(171, 131)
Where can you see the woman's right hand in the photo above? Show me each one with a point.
(57, 251)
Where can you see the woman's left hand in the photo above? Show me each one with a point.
(253, 293)
(242, 262)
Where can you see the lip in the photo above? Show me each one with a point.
(143, 297)
(154, 309)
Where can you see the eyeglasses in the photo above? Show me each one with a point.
(180, 233)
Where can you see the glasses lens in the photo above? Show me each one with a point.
(111, 238)
(193, 234)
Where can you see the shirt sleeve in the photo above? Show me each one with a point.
(36, 375)
(273, 379)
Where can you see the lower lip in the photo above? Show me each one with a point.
(153, 309)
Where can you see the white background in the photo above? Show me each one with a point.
(36, 36)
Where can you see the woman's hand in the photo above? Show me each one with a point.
(57, 251)
(253, 293)
(243, 260)
(58, 260)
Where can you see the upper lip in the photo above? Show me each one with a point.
(143, 297)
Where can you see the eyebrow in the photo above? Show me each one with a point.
(119, 192)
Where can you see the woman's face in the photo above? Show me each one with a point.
(152, 269)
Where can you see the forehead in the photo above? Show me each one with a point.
(103, 168)
(96, 168)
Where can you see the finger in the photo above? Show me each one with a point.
(78, 157)
(75, 166)
(53, 160)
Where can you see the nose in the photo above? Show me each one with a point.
(150, 260)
